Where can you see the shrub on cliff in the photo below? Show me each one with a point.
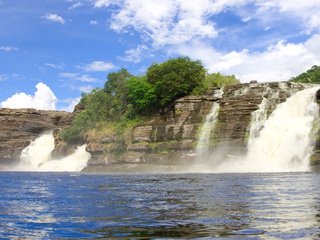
(215, 80)
(175, 78)
(310, 76)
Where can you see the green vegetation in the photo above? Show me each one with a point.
(310, 76)
(214, 80)
(127, 99)
(175, 78)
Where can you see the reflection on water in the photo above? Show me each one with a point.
(226, 206)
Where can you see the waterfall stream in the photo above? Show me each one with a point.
(208, 126)
(285, 141)
(37, 157)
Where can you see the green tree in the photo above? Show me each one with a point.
(310, 76)
(175, 78)
(141, 94)
(116, 87)
(95, 107)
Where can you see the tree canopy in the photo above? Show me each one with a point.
(310, 76)
(175, 78)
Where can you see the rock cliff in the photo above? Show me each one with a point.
(21, 126)
(172, 138)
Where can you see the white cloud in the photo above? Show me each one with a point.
(8, 49)
(168, 22)
(277, 63)
(306, 12)
(43, 99)
(54, 18)
(165, 21)
(55, 66)
(93, 22)
(102, 3)
(135, 55)
(78, 77)
(76, 5)
(71, 103)
(97, 66)
(246, 19)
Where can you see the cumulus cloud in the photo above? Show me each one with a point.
(54, 18)
(307, 10)
(165, 21)
(169, 22)
(78, 77)
(181, 27)
(278, 62)
(43, 99)
(97, 66)
(8, 49)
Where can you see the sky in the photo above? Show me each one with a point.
(52, 51)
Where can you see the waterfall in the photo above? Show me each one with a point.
(285, 142)
(258, 118)
(37, 157)
(208, 126)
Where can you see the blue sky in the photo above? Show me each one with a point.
(53, 50)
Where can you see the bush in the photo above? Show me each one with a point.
(141, 94)
(175, 78)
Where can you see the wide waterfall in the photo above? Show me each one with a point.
(284, 142)
(37, 157)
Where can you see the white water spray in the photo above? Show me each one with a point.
(208, 126)
(285, 142)
(37, 157)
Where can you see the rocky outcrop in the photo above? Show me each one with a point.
(172, 138)
(21, 126)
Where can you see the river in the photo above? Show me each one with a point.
(143, 206)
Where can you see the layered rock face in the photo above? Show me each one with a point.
(164, 139)
(172, 138)
(21, 126)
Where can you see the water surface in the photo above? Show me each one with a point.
(133, 206)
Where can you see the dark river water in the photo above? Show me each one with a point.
(185, 206)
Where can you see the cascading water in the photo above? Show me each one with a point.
(258, 118)
(37, 157)
(211, 119)
(285, 142)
